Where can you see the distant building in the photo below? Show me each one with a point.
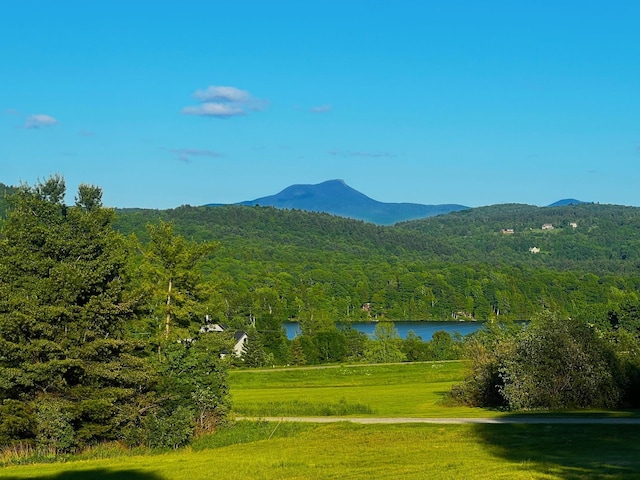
(547, 226)
(240, 337)
(573, 224)
(534, 250)
(507, 231)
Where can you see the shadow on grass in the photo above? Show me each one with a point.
(98, 474)
(567, 451)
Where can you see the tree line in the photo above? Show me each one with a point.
(101, 313)
(73, 371)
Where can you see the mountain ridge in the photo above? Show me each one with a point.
(337, 198)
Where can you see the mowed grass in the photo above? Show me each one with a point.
(281, 450)
(349, 451)
(399, 390)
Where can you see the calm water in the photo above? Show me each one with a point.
(423, 329)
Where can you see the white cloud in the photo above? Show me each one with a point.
(222, 94)
(321, 109)
(214, 110)
(39, 121)
(185, 154)
(224, 102)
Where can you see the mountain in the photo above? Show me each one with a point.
(567, 201)
(337, 198)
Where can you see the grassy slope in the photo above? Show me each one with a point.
(414, 390)
(384, 452)
(260, 450)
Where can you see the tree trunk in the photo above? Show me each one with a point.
(167, 321)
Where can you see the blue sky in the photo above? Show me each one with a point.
(170, 103)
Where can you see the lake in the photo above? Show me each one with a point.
(424, 329)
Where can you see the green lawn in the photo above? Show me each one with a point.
(348, 451)
(404, 390)
(275, 451)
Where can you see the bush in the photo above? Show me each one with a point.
(560, 364)
(551, 364)
(55, 432)
(171, 430)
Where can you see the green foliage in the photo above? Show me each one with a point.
(319, 269)
(194, 377)
(560, 364)
(175, 287)
(55, 432)
(414, 349)
(297, 352)
(385, 347)
(553, 363)
(172, 430)
(17, 422)
(254, 352)
(64, 305)
(273, 337)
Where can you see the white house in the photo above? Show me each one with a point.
(240, 337)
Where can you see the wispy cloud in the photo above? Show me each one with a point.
(341, 153)
(222, 94)
(214, 110)
(11, 111)
(40, 120)
(224, 102)
(86, 133)
(321, 109)
(185, 154)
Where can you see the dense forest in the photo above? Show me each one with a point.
(297, 265)
(478, 264)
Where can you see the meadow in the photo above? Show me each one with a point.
(283, 450)
(398, 390)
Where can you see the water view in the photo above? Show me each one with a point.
(424, 329)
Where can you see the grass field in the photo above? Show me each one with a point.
(339, 451)
(404, 390)
(263, 450)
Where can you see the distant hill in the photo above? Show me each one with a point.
(567, 201)
(337, 198)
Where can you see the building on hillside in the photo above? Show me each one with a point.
(534, 250)
(240, 337)
(507, 231)
(573, 224)
(547, 226)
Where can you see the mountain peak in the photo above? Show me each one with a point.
(567, 201)
(337, 198)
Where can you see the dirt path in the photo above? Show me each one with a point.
(483, 420)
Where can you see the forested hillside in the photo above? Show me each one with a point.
(474, 264)
(294, 264)
(592, 238)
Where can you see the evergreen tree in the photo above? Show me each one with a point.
(67, 374)
(175, 282)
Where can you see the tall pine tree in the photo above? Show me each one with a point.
(66, 371)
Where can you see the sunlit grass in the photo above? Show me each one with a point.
(338, 451)
(406, 390)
